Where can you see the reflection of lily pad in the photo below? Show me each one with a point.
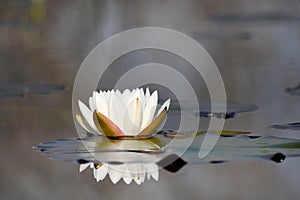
(290, 126)
(172, 163)
(232, 109)
(21, 89)
(295, 91)
(237, 147)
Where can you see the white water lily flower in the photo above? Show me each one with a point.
(115, 114)
(129, 172)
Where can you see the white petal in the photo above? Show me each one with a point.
(115, 174)
(127, 179)
(127, 175)
(139, 173)
(82, 167)
(137, 181)
(148, 175)
(125, 96)
(147, 95)
(94, 99)
(155, 175)
(149, 110)
(95, 173)
(139, 178)
(118, 92)
(133, 118)
(116, 109)
(91, 104)
(132, 169)
(142, 96)
(111, 114)
(101, 103)
(108, 93)
(88, 115)
(134, 95)
(101, 173)
(84, 124)
(166, 104)
(104, 95)
(152, 169)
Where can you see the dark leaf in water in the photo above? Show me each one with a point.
(254, 136)
(82, 161)
(290, 126)
(232, 109)
(172, 163)
(217, 161)
(295, 91)
(278, 157)
(22, 89)
(227, 115)
(115, 163)
(256, 17)
(227, 135)
(242, 35)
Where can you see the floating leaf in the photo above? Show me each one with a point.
(21, 89)
(153, 150)
(290, 126)
(295, 91)
(228, 35)
(232, 109)
(258, 17)
(183, 134)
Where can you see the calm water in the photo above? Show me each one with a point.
(255, 45)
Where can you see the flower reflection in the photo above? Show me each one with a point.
(127, 114)
(129, 171)
(130, 160)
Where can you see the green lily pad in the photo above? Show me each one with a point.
(237, 147)
(232, 109)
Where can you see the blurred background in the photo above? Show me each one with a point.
(255, 44)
